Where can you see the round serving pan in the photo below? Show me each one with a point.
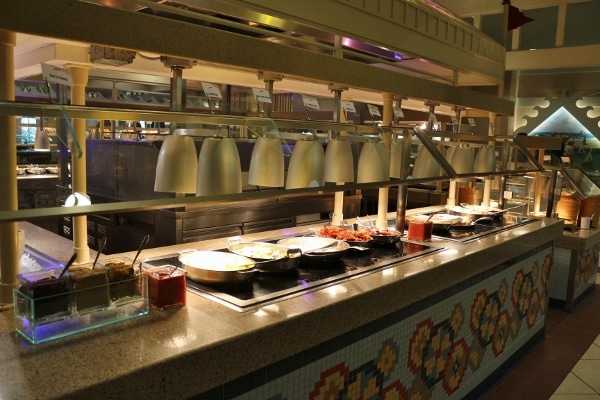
(385, 238)
(475, 212)
(269, 257)
(317, 250)
(441, 222)
(483, 221)
(217, 267)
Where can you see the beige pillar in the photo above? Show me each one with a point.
(9, 259)
(338, 116)
(78, 167)
(387, 118)
(487, 183)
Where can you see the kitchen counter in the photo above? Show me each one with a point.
(580, 239)
(575, 267)
(204, 346)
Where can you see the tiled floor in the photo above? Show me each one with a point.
(566, 365)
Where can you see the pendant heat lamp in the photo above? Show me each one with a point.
(266, 163)
(373, 164)
(339, 162)
(450, 153)
(177, 165)
(307, 165)
(219, 168)
(463, 162)
(42, 140)
(425, 165)
(485, 161)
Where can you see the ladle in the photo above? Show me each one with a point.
(142, 245)
(100, 248)
(68, 265)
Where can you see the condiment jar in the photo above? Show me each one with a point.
(166, 286)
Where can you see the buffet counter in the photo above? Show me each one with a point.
(449, 322)
(575, 267)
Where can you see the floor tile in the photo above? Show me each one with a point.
(597, 341)
(593, 353)
(573, 385)
(589, 372)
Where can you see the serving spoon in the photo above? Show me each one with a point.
(100, 249)
(68, 265)
(142, 245)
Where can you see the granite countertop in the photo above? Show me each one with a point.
(180, 352)
(580, 239)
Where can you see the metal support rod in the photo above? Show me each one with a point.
(431, 105)
(550, 207)
(177, 91)
(402, 198)
(337, 105)
(268, 107)
(457, 112)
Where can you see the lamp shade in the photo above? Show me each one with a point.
(77, 199)
(266, 163)
(219, 168)
(42, 140)
(463, 162)
(450, 153)
(396, 158)
(425, 165)
(177, 165)
(307, 165)
(485, 161)
(373, 164)
(339, 163)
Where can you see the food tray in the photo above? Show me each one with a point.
(40, 317)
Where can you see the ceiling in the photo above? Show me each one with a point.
(31, 51)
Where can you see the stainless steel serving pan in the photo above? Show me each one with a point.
(269, 257)
(385, 238)
(317, 251)
(217, 266)
(475, 212)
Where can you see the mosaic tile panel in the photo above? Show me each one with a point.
(586, 270)
(443, 350)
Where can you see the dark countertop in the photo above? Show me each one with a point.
(204, 344)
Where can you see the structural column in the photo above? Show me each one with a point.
(79, 75)
(9, 257)
(387, 118)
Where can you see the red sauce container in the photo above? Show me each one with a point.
(420, 230)
(166, 286)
